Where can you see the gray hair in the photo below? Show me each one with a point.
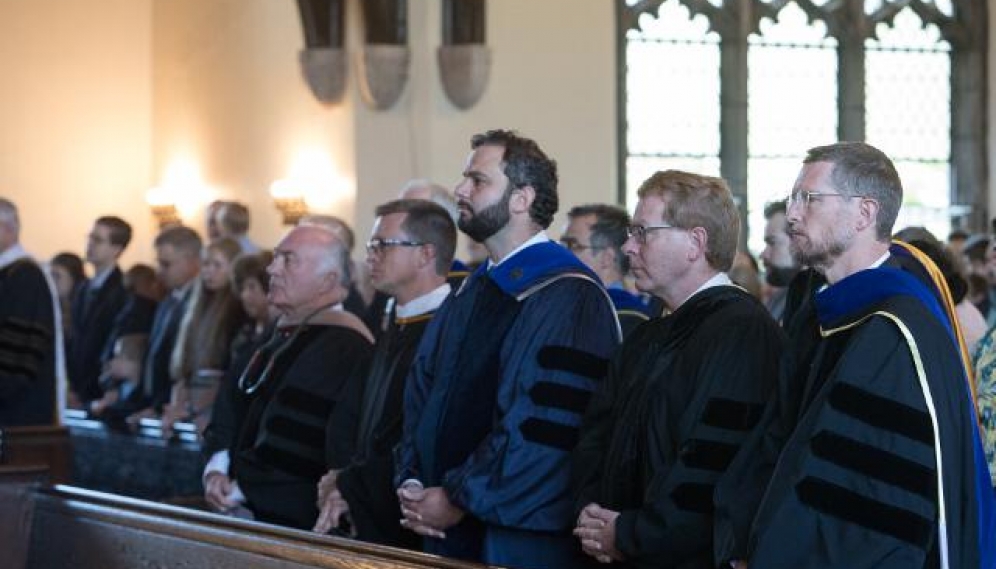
(861, 170)
(334, 225)
(426, 190)
(334, 254)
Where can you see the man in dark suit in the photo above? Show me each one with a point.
(178, 254)
(95, 306)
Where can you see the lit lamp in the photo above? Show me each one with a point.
(163, 207)
(289, 200)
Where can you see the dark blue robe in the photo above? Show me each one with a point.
(494, 401)
(631, 309)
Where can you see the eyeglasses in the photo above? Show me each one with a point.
(639, 232)
(804, 198)
(377, 246)
(575, 246)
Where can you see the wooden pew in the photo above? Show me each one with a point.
(83, 529)
(16, 474)
(46, 446)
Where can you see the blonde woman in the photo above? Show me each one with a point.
(201, 356)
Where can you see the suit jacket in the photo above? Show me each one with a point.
(92, 324)
(154, 383)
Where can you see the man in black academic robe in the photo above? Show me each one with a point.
(28, 332)
(683, 392)
(409, 255)
(296, 382)
(868, 456)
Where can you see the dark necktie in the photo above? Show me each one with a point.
(164, 315)
(89, 300)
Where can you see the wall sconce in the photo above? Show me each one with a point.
(289, 200)
(163, 208)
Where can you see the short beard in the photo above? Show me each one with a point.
(490, 220)
(822, 258)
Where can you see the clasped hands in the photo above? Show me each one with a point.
(427, 511)
(596, 529)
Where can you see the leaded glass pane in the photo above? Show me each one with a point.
(793, 106)
(908, 101)
(944, 6)
(672, 90)
(872, 5)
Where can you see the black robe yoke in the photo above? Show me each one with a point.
(280, 453)
(367, 484)
(27, 346)
(681, 396)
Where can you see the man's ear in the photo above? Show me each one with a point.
(867, 213)
(330, 281)
(698, 239)
(426, 255)
(522, 199)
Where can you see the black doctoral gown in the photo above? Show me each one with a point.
(842, 472)
(367, 484)
(27, 346)
(280, 453)
(680, 397)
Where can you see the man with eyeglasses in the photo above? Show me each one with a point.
(295, 384)
(409, 255)
(95, 306)
(504, 372)
(683, 391)
(595, 233)
(868, 456)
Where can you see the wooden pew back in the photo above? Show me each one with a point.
(46, 446)
(82, 529)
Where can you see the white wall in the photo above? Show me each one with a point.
(75, 105)
(228, 94)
